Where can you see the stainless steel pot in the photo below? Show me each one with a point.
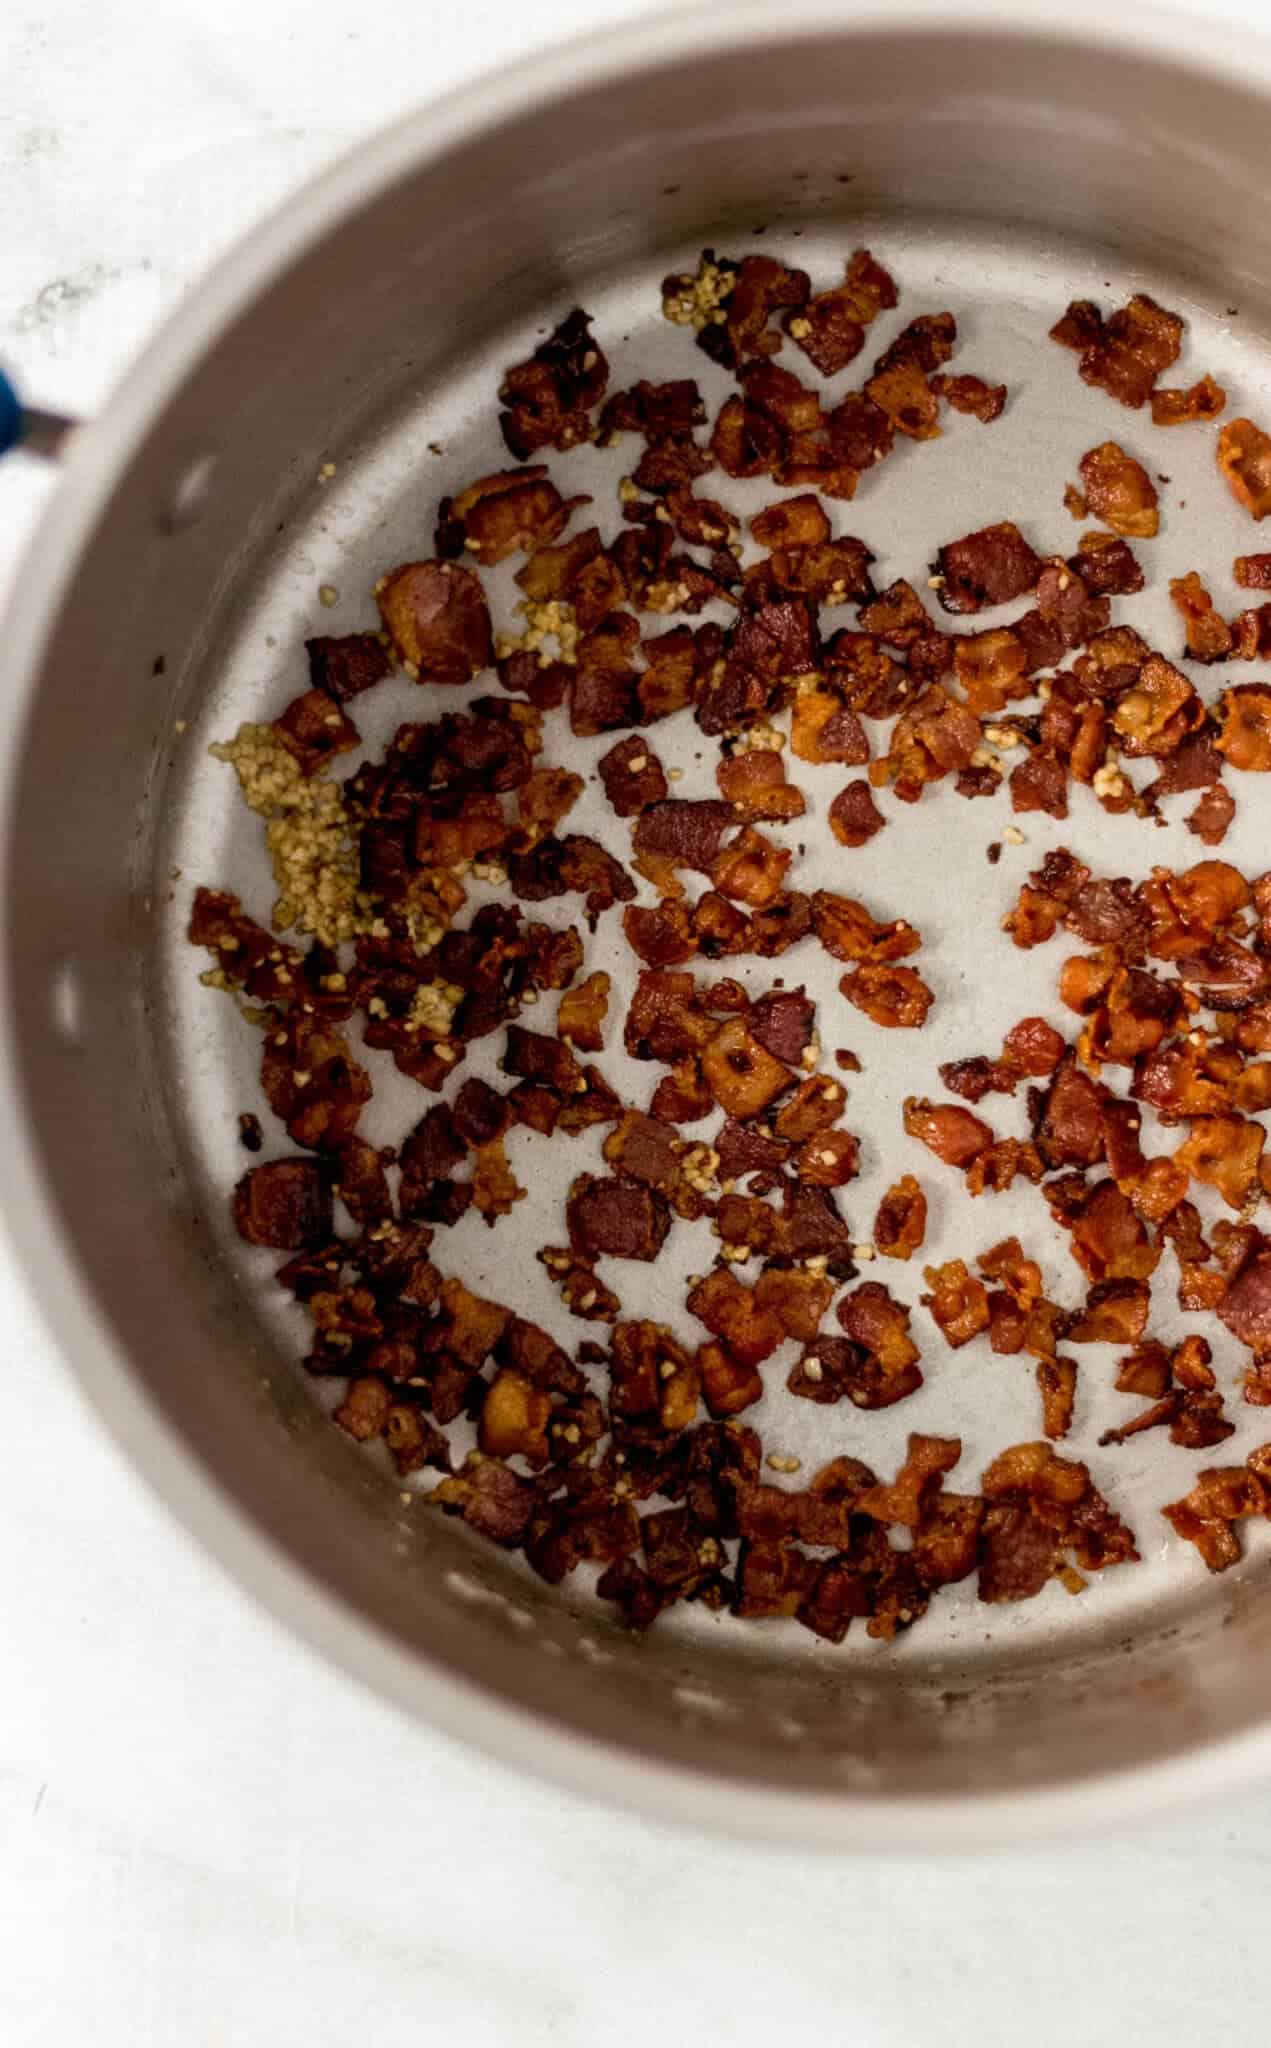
(365, 302)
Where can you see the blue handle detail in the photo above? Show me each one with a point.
(10, 416)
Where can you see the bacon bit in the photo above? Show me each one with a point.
(1245, 739)
(549, 397)
(1057, 1385)
(904, 1501)
(732, 1313)
(436, 615)
(999, 1166)
(958, 1302)
(848, 932)
(728, 1385)
(816, 1105)
(741, 1075)
(285, 1205)
(1244, 457)
(751, 869)
(582, 1291)
(895, 997)
(1041, 1506)
(1106, 566)
(1125, 355)
(633, 777)
(618, 1217)
(1221, 1497)
(513, 511)
(972, 395)
(495, 1189)
(824, 729)
(1119, 491)
(755, 784)
(1212, 816)
(884, 1368)
(991, 668)
(953, 1134)
(854, 817)
(1252, 572)
(1203, 400)
(901, 1222)
(990, 567)
(581, 1013)
(830, 328)
(1224, 1152)
(1209, 637)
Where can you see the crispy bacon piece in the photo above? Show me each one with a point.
(1041, 1506)
(618, 1217)
(548, 398)
(958, 1302)
(733, 1314)
(824, 728)
(1203, 400)
(984, 402)
(830, 328)
(1245, 739)
(755, 784)
(761, 286)
(1244, 458)
(344, 666)
(751, 869)
(493, 1500)
(582, 1292)
(437, 617)
(741, 1075)
(514, 1419)
(246, 954)
(854, 817)
(1222, 1496)
(953, 1134)
(728, 1384)
(1125, 355)
(1070, 1127)
(1225, 1152)
(285, 1205)
(312, 1081)
(1106, 566)
(899, 386)
(791, 522)
(848, 932)
(988, 567)
(1119, 491)
(513, 511)
(1252, 572)
(314, 730)
(901, 1222)
(895, 997)
(904, 1500)
(883, 1367)
(1209, 637)
(580, 1016)
(633, 777)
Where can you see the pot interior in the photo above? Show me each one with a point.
(997, 174)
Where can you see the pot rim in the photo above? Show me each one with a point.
(63, 1304)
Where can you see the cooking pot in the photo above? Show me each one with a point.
(186, 517)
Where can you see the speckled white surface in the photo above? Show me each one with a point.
(205, 1836)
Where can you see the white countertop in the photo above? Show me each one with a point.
(206, 1837)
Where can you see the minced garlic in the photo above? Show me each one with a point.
(312, 840)
(697, 301)
(554, 620)
(433, 1007)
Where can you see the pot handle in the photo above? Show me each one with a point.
(25, 426)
